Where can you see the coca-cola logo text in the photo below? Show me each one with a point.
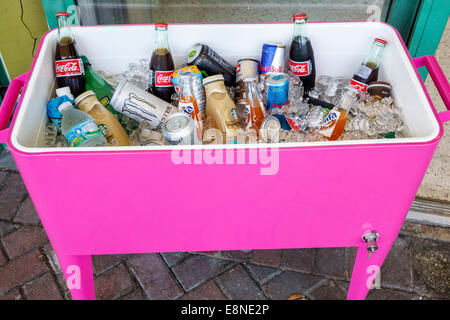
(361, 87)
(163, 78)
(300, 68)
(64, 68)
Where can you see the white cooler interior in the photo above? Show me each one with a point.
(339, 50)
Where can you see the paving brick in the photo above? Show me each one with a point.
(328, 291)
(431, 267)
(267, 257)
(22, 269)
(56, 269)
(239, 285)
(3, 176)
(330, 262)
(396, 269)
(136, 294)
(236, 255)
(262, 274)
(288, 283)
(351, 257)
(101, 263)
(3, 259)
(298, 259)
(42, 288)
(113, 283)
(197, 269)
(13, 295)
(23, 240)
(27, 213)
(387, 294)
(154, 277)
(172, 258)
(11, 196)
(5, 228)
(207, 291)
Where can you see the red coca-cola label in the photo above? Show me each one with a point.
(300, 68)
(163, 78)
(361, 87)
(72, 67)
(238, 68)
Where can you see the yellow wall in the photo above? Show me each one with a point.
(15, 41)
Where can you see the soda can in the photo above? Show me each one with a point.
(179, 129)
(276, 90)
(197, 89)
(273, 59)
(246, 67)
(139, 105)
(208, 60)
(270, 130)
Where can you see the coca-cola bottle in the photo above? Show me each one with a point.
(161, 65)
(69, 69)
(301, 54)
(368, 71)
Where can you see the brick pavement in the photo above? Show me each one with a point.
(416, 268)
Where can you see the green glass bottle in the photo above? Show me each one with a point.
(102, 89)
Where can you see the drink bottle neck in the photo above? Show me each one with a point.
(64, 31)
(161, 39)
(186, 90)
(300, 30)
(347, 99)
(374, 57)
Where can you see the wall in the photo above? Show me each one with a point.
(436, 184)
(15, 41)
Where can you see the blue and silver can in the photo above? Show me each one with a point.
(276, 91)
(273, 59)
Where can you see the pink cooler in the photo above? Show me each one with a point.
(231, 197)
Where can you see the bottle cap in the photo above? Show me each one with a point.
(299, 16)
(210, 79)
(160, 25)
(59, 14)
(381, 41)
(64, 105)
(64, 91)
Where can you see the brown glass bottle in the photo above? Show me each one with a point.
(69, 69)
(161, 66)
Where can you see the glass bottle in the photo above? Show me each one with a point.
(161, 65)
(187, 102)
(368, 71)
(301, 54)
(333, 125)
(256, 108)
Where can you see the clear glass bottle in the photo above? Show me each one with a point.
(187, 102)
(256, 107)
(161, 65)
(368, 71)
(333, 125)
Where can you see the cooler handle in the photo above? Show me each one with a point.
(8, 103)
(439, 79)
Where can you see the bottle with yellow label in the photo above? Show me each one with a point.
(106, 121)
(220, 107)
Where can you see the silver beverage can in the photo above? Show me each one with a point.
(270, 130)
(139, 104)
(179, 128)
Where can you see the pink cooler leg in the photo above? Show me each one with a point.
(365, 270)
(79, 276)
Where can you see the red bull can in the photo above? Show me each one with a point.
(276, 90)
(273, 59)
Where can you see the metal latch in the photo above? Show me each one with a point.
(371, 240)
